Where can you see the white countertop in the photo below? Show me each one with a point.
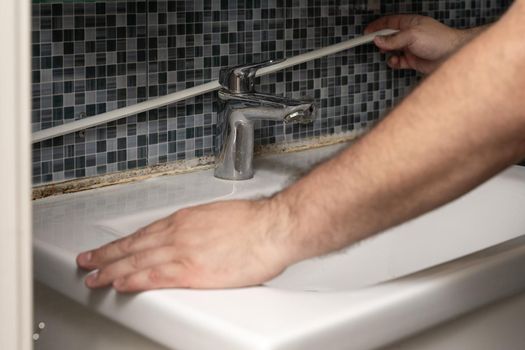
(333, 302)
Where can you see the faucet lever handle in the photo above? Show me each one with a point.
(241, 78)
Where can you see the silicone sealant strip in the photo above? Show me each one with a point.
(107, 117)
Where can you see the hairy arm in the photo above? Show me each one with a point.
(464, 124)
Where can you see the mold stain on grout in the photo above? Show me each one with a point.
(181, 167)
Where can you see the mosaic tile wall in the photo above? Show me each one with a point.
(90, 57)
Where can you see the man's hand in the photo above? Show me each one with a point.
(224, 244)
(422, 43)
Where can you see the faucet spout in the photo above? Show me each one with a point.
(257, 106)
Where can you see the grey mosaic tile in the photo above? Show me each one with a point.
(90, 57)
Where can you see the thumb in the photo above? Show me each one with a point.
(396, 41)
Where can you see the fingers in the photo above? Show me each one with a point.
(129, 265)
(116, 250)
(172, 275)
(400, 22)
(156, 226)
(398, 62)
(398, 41)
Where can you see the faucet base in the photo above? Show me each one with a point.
(232, 177)
(234, 161)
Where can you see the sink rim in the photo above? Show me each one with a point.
(319, 319)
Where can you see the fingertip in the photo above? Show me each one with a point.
(91, 280)
(84, 260)
(119, 283)
(393, 62)
(377, 24)
(79, 261)
(394, 59)
(380, 42)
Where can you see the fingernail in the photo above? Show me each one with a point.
(119, 282)
(91, 279)
(85, 258)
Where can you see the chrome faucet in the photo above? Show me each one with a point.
(240, 107)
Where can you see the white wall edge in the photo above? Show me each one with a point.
(15, 206)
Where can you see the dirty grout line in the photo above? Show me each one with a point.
(181, 167)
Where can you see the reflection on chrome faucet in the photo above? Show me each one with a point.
(241, 106)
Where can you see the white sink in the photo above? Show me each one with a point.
(468, 253)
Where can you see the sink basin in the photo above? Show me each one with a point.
(448, 262)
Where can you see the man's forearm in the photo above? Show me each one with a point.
(464, 124)
(467, 35)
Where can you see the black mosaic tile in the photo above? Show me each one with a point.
(95, 56)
